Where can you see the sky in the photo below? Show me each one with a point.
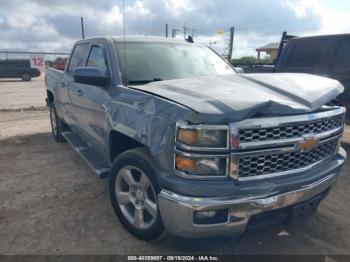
(54, 25)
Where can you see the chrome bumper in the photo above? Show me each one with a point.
(178, 211)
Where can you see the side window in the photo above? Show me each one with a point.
(78, 56)
(97, 59)
(308, 53)
(342, 55)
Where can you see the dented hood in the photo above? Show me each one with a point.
(231, 98)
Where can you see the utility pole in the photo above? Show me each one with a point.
(166, 30)
(82, 27)
(232, 34)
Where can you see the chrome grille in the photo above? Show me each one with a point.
(290, 130)
(274, 163)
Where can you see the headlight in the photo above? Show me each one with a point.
(201, 166)
(202, 151)
(202, 136)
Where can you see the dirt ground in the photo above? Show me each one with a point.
(52, 203)
(15, 94)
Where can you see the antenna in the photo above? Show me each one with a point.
(82, 27)
(126, 78)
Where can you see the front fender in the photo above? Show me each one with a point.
(149, 120)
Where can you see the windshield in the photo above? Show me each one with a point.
(147, 62)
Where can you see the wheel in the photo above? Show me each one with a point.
(26, 77)
(56, 124)
(133, 191)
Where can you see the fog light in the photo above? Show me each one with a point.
(211, 216)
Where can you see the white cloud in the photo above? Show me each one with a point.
(51, 24)
(332, 22)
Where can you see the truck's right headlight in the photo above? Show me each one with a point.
(202, 136)
(202, 151)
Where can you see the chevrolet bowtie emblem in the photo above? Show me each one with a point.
(308, 144)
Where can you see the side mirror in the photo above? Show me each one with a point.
(90, 76)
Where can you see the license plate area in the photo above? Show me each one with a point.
(303, 211)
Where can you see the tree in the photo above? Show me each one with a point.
(244, 60)
(249, 60)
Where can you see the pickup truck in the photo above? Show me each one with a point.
(190, 147)
(325, 55)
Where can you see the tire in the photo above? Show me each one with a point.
(56, 124)
(133, 191)
(26, 77)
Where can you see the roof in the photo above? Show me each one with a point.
(268, 47)
(320, 37)
(154, 39)
(147, 39)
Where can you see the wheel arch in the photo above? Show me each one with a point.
(50, 96)
(119, 143)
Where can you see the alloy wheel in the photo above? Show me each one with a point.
(136, 197)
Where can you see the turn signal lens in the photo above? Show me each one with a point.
(201, 166)
(184, 163)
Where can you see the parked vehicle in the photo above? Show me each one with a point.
(17, 68)
(191, 147)
(327, 55)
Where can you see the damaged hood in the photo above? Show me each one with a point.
(230, 98)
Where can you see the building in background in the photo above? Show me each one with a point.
(270, 49)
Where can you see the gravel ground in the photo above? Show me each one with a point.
(52, 203)
(15, 94)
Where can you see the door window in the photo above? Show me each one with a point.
(308, 53)
(78, 56)
(97, 59)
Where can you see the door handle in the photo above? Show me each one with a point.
(63, 84)
(80, 93)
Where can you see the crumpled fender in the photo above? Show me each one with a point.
(149, 120)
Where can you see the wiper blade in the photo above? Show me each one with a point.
(144, 81)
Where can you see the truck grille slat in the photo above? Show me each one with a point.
(280, 162)
(290, 131)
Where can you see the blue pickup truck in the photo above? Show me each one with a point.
(191, 147)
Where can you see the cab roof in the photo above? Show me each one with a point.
(140, 39)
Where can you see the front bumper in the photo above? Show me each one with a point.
(178, 211)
